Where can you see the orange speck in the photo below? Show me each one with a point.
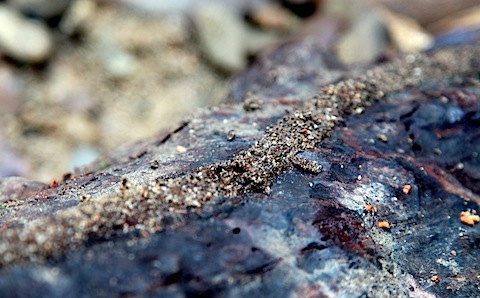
(383, 225)
(435, 279)
(368, 208)
(469, 219)
(407, 188)
(53, 183)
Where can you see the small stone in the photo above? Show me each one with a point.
(406, 33)
(181, 149)
(76, 16)
(384, 225)
(364, 41)
(154, 165)
(220, 33)
(118, 63)
(231, 135)
(22, 39)
(273, 16)
(382, 138)
(468, 218)
(251, 103)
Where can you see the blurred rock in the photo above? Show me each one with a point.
(76, 16)
(426, 11)
(118, 63)
(406, 34)
(221, 36)
(469, 18)
(274, 17)
(365, 40)
(40, 8)
(22, 39)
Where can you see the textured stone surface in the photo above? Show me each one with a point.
(198, 213)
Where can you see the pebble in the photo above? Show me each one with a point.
(76, 16)
(365, 40)
(407, 35)
(22, 39)
(221, 36)
(275, 17)
(40, 8)
(117, 62)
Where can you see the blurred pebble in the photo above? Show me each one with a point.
(221, 36)
(274, 17)
(40, 8)
(365, 41)
(77, 16)
(22, 39)
(406, 34)
(467, 19)
(117, 62)
(426, 11)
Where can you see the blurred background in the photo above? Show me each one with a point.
(82, 77)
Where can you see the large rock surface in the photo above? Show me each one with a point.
(268, 194)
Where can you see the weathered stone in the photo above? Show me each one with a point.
(22, 39)
(255, 216)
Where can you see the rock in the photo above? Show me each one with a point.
(14, 189)
(40, 8)
(310, 65)
(118, 63)
(76, 16)
(422, 10)
(22, 39)
(282, 209)
(221, 34)
(274, 17)
(365, 41)
(468, 19)
(407, 35)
